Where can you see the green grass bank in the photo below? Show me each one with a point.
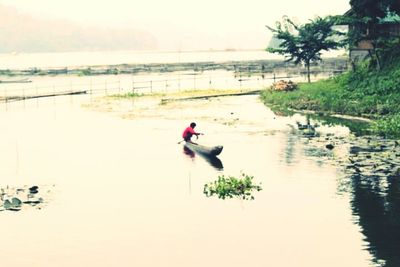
(365, 92)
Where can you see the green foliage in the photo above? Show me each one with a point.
(373, 9)
(322, 95)
(364, 92)
(388, 126)
(304, 43)
(7, 72)
(128, 95)
(367, 8)
(229, 187)
(86, 72)
(113, 71)
(368, 20)
(388, 50)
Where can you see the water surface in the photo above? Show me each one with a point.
(125, 193)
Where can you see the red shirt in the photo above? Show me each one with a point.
(188, 133)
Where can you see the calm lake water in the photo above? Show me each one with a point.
(142, 82)
(119, 191)
(74, 59)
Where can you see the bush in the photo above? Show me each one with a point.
(388, 127)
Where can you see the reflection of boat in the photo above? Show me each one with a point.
(205, 150)
(24, 80)
(213, 160)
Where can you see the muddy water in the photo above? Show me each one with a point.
(124, 193)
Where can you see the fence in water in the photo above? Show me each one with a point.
(46, 86)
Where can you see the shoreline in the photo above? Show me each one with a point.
(332, 65)
(367, 156)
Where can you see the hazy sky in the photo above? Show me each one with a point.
(181, 24)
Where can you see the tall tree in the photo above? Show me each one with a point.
(304, 43)
(395, 6)
(374, 9)
(371, 11)
(366, 20)
(368, 9)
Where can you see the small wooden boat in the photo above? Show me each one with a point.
(205, 150)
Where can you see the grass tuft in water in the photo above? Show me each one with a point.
(127, 95)
(230, 187)
(182, 93)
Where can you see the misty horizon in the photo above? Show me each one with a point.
(45, 26)
(24, 33)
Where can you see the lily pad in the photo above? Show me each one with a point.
(13, 205)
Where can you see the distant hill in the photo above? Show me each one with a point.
(23, 33)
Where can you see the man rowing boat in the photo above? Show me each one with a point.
(189, 132)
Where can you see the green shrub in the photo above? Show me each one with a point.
(388, 126)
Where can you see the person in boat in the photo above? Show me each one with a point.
(189, 132)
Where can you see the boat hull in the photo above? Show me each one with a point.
(205, 150)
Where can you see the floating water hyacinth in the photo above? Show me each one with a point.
(230, 186)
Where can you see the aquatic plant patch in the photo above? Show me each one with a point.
(230, 187)
(19, 198)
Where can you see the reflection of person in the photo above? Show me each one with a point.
(188, 152)
(189, 132)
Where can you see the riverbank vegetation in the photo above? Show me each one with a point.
(372, 88)
(366, 92)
